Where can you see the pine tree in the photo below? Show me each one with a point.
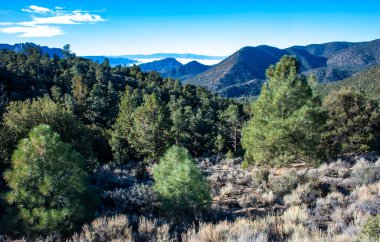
(231, 125)
(287, 119)
(149, 132)
(122, 127)
(352, 125)
(49, 185)
(182, 189)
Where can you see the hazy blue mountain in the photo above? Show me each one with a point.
(114, 61)
(186, 71)
(175, 56)
(21, 46)
(161, 66)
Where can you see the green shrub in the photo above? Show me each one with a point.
(182, 189)
(371, 227)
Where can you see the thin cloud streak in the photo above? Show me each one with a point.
(33, 31)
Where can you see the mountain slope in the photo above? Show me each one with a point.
(367, 81)
(357, 57)
(186, 71)
(161, 66)
(247, 64)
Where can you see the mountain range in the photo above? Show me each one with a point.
(170, 67)
(244, 72)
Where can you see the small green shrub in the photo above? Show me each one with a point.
(371, 227)
(180, 185)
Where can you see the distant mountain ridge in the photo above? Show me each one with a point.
(174, 55)
(114, 61)
(186, 71)
(20, 47)
(161, 66)
(328, 62)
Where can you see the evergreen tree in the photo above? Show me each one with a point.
(21, 117)
(120, 134)
(49, 185)
(149, 132)
(231, 125)
(182, 189)
(287, 118)
(352, 125)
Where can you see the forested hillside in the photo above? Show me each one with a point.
(90, 152)
(367, 81)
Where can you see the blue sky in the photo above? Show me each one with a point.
(213, 27)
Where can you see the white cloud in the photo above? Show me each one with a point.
(48, 21)
(68, 18)
(36, 9)
(33, 31)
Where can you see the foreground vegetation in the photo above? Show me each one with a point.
(94, 153)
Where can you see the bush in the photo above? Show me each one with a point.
(107, 229)
(284, 184)
(180, 185)
(304, 194)
(364, 173)
(326, 206)
(371, 227)
(259, 176)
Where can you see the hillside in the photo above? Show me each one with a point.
(247, 64)
(186, 71)
(329, 62)
(161, 66)
(367, 81)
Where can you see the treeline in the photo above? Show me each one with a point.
(62, 118)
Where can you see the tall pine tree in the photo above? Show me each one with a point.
(148, 135)
(287, 119)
